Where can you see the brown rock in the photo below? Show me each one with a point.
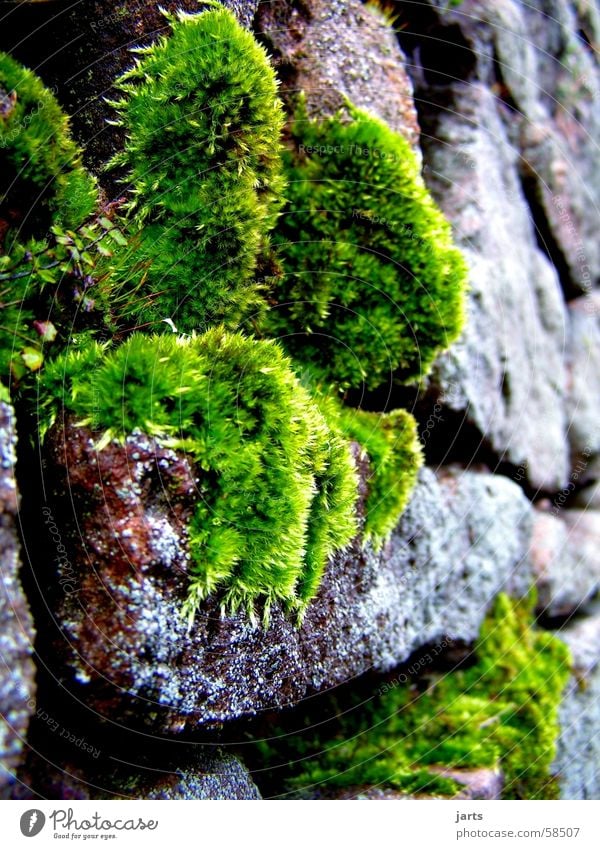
(337, 49)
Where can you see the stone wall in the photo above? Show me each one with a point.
(500, 98)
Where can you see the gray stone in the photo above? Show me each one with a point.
(565, 552)
(577, 762)
(17, 686)
(533, 58)
(560, 150)
(337, 49)
(584, 376)
(507, 372)
(125, 651)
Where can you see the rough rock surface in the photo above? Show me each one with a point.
(565, 552)
(337, 49)
(507, 371)
(577, 762)
(125, 649)
(537, 58)
(584, 376)
(204, 774)
(16, 629)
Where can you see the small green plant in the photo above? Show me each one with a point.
(500, 712)
(202, 160)
(43, 188)
(277, 487)
(372, 286)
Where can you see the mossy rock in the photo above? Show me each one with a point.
(277, 487)
(391, 443)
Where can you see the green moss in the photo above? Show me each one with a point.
(42, 186)
(203, 161)
(501, 712)
(42, 180)
(391, 443)
(277, 487)
(372, 286)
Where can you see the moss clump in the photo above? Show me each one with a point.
(42, 180)
(203, 160)
(499, 712)
(391, 443)
(277, 487)
(372, 286)
(43, 186)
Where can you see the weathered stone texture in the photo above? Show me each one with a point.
(16, 628)
(124, 645)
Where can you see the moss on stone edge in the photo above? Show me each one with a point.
(372, 285)
(203, 162)
(43, 185)
(277, 487)
(391, 443)
(501, 712)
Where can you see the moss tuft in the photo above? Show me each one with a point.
(391, 443)
(203, 162)
(277, 488)
(43, 186)
(501, 712)
(372, 286)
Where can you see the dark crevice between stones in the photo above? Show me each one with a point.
(546, 241)
(586, 41)
(438, 54)
(501, 89)
(556, 623)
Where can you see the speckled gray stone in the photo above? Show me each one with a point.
(125, 651)
(17, 685)
(577, 762)
(507, 372)
(533, 56)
